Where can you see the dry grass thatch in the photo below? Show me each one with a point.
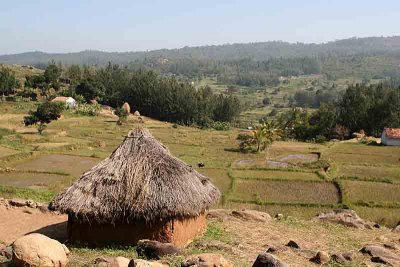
(140, 180)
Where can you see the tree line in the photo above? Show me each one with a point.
(368, 108)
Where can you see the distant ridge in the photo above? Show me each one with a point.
(254, 51)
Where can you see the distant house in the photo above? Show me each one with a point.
(68, 101)
(391, 137)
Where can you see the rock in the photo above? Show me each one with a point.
(383, 260)
(274, 249)
(293, 244)
(16, 202)
(111, 262)
(339, 258)
(252, 215)
(31, 204)
(279, 216)
(39, 250)
(6, 251)
(126, 107)
(268, 260)
(348, 256)
(344, 217)
(380, 253)
(397, 228)
(144, 263)
(155, 250)
(206, 260)
(136, 113)
(220, 214)
(320, 258)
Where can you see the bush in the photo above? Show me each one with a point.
(87, 109)
(221, 126)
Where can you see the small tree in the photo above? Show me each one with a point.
(44, 114)
(122, 115)
(261, 137)
(8, 81)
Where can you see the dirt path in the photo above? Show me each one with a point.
(16, 222)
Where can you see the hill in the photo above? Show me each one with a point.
(246, 64)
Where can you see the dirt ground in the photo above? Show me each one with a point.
(16, 222)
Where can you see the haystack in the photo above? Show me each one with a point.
(126, 107)
(139, 192)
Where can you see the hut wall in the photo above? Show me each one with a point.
(179, 232)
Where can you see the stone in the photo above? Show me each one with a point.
(268, 260)
(136, 113)
(339, 258)
(16, 202)
(206, 260)
(321, 257)
(293, 244)
(396, 229)
(155, 250)
(344, 217)
(39, 250)
(349, 256)
(6, 251)
(380, 253)
(31, 204)
(220, 214)
(252, 215)
(279, 216)
(144, 263)
(275, 249)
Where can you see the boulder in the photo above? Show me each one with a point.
(381, 254)
(136, 113)
(220, 214)
(39, 250)
(144, 263)
(252, 215)
(320, 258)
(126, 107)
(155, 250)
(268, 260)
(16, 202)
(293, 244)
(339, 258)
(6, 251)
(206, 260)
(344, 217)
(397, 228)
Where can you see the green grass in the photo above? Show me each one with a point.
(275, 174)
(359, 191)
(40, 195)
(286, 191)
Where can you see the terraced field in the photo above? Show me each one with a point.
(288, 178)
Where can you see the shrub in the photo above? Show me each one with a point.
(221, 126)
(87, 109)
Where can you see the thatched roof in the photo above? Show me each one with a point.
(139, 180)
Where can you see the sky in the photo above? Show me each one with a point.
(130, 25)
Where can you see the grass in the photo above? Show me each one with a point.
(358, 191)
(275, 174)
(75, 143)
(286, 191)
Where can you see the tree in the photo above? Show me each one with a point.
(261, 137)
(52, 73)
(122, 115)
(37, 81)
(90, 89)
(8, 82)
(44, 114)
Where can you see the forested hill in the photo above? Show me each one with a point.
(255, 51)
(251, 64)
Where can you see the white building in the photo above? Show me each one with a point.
(68, 101)
(391, 137)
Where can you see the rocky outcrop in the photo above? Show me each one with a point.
(344, 217)
(39, 250)
(155, 250)
(268, 260)
(206, 260)
(321, 257)
(381, 254)
(252, 215)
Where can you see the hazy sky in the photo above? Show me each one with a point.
(131, 25)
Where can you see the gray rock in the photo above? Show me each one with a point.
(293, 244)
(380, 253)
(155, 250)
(344, 217)
(252, 215)
(321, 257)
(268, 260)
(206, 260)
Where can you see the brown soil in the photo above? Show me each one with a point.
(16, 222)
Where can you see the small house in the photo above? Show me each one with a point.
(68, 101)
(391, 137)
(139, 192)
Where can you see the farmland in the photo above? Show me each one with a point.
(287, 178)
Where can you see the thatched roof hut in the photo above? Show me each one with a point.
(139, 191)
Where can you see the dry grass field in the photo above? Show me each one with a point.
(38, 166)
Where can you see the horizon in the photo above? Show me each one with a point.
(70, 26)
(205, 45)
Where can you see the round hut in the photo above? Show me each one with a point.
(139, 192)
